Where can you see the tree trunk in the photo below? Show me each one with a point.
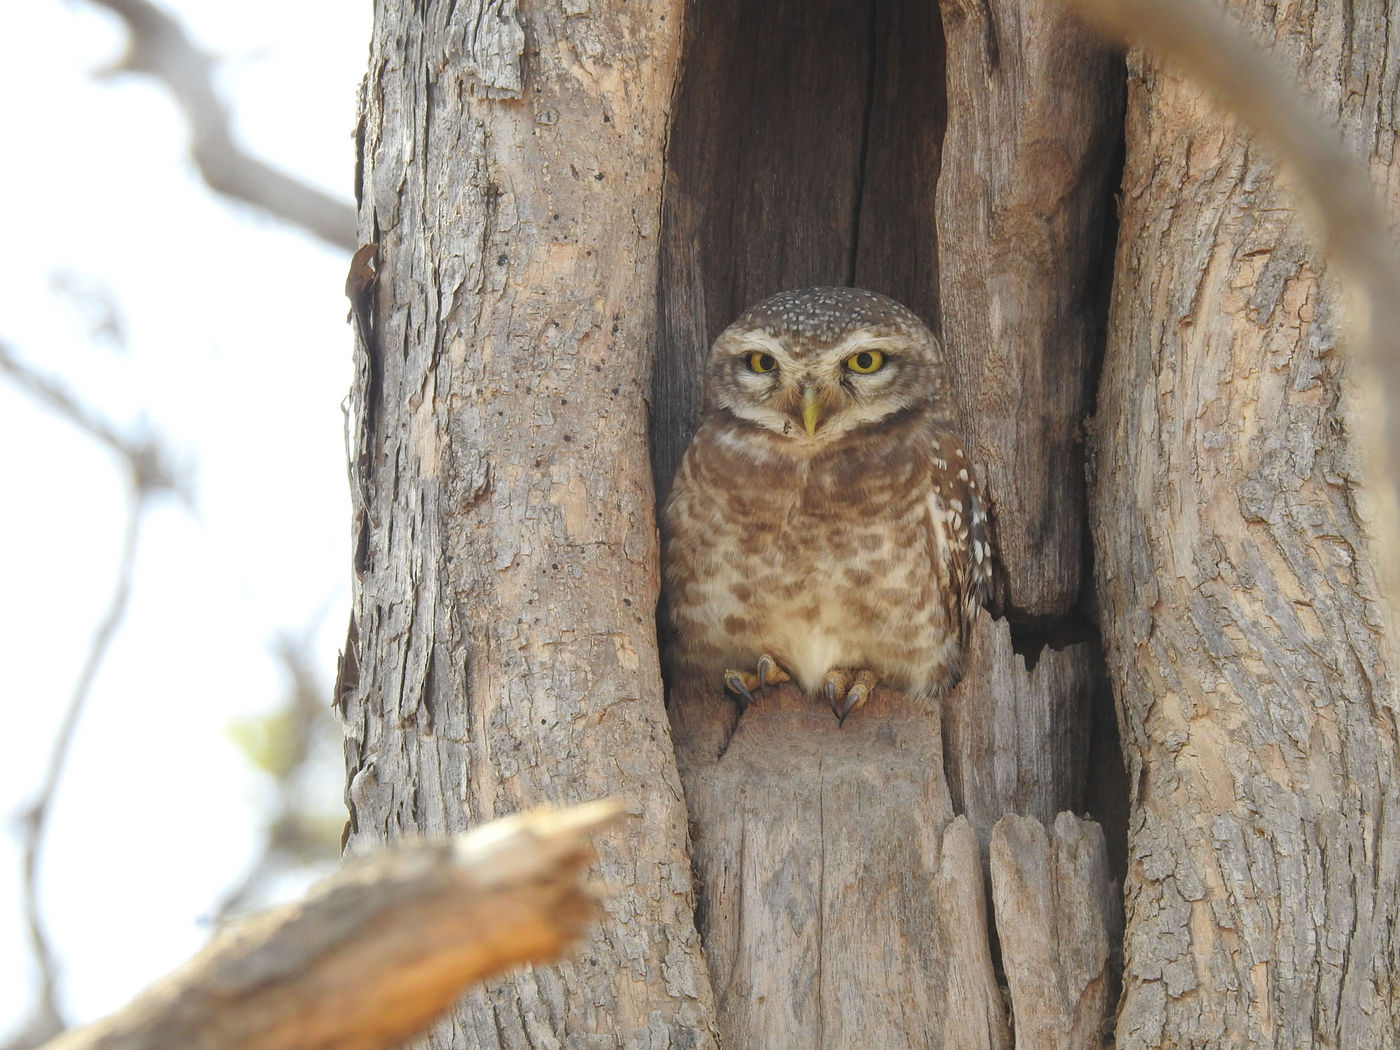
(503, 651)
(551, 202)
(1239, 599)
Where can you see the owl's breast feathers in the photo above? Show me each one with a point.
(870, 553)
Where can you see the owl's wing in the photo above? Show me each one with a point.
(964, 520)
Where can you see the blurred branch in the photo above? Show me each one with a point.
(159, 47)
(33, 822)
(148, 475)
(95, 303)
(283, 745)
(1196, 36)
(150, 467)
(376, 952)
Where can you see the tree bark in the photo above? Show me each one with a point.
(502, 650)
(1237, 582)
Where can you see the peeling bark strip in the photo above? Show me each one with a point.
(1237, 582)
(512, 165)
(371, 955)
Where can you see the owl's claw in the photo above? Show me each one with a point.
(744, 684)
(768, 670)
(847, 690)
(734, 682)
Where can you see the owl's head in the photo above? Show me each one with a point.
(815, 364)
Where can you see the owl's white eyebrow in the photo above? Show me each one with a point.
(866, 341)
(752, 341)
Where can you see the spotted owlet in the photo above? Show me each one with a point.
(825, 524)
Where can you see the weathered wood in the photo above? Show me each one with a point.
(503, 648)
(1024, 225)
(1023, 210)
(843, 904)
(378, 950)
(1237, 580)
(1056, 914)
(1017, 740)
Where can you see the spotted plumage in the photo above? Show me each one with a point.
(825, 523)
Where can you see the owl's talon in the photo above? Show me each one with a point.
(846, 691)
(838, 681)
(734, 682)
(744, 684)
(769, 673)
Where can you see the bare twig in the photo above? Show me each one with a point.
(295, 838)
(150, 467)
(1198, 38)
(33, 822)
(376, 952)
(148, 475)
(95, 304)
(159, 47)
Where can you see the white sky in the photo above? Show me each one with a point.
(238, 354)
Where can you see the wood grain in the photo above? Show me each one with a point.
(1057, 918)
(843, 903)
(1017, 739)
(1029, 159)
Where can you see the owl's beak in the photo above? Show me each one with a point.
(811, 410)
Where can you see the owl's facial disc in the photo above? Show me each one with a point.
(811, 395)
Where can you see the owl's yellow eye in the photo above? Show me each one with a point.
(866, 361)
(761, 362)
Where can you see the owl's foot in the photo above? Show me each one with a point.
(744, 684)
(846, 690)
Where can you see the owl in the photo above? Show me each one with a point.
(825, 525)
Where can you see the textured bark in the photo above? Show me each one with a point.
(503, 651)
(1236, 579)
(370, 956)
